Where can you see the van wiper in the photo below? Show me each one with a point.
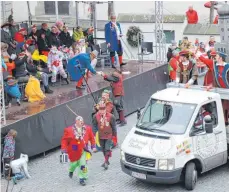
(160, 131)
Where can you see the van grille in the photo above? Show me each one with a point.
(140, 160)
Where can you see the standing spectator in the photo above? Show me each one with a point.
(34, 33)
(192, 16)
(8, 150)
(54, 37)
(216, 19)
(185, 44)
(43, 44)
(173, 64)
(65, 37)
(171, 49)
(12, 27)
(113, 34)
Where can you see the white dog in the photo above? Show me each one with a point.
(19, 166)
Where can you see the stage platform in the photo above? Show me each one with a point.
(40, 125)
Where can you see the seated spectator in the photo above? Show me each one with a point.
(59, 25)
(88, 33)
(20, 71)
(9, 62)
(192, 16)
(55, 65)
(12, 90)
(44, 29)
(33, 90)
(78, 34)
(43, 44)
(65, 37)
(34, 33)
(19, 37)
(54, 37)
(40, 73)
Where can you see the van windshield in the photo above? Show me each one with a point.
(165, 116)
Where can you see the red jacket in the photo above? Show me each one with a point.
(74, 147)
(19, 37)
(173, 64)
(89, 136)
(208, 79)
(216, 19)
(192, 17)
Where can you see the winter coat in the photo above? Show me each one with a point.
(66, 39)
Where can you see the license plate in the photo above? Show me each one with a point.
(139, 175)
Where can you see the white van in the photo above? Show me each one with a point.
(180, 133)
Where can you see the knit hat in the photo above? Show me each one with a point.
(213, 53)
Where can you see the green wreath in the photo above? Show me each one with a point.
(133, 36)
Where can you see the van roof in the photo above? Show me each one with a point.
(183, 95)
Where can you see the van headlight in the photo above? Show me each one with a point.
(122, 155)
(166, 164)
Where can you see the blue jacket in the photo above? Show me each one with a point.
(13, 91)
(225, 75)
(111, 36)
(84, 61)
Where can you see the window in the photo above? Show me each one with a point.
(169, 35)
(165, 116)
(207, 109)
(63, 7)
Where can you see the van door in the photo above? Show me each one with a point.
(207, 145)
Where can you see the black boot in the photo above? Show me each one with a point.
(47, 90)
(123, 64)
(70, 174)
(66, 79)
(113, 66)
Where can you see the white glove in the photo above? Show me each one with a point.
(13, 56)
(99, 73)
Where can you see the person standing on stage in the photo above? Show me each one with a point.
(78, 65)
(187, 71)
(116, 80)
(105, 124)
(113, 34)
(73, 144)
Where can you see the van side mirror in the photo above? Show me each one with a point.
(208, 124)
(138, 113)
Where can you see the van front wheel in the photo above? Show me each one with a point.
(190, 176)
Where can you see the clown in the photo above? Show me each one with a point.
(55, 64)
(113, 34)
(73, 144)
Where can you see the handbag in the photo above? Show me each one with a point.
(64, 158)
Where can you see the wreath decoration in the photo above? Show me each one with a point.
(133, 36)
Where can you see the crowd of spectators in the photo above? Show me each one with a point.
(25, 57)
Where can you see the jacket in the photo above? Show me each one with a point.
(116, 80)
(76, 36)
(111, 36)
(65, 39)
(74, 147)
(54, 40)
(20, 70)
(192, 17)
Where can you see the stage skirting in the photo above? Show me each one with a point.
(42, 132)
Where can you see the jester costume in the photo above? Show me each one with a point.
(73, 144)
(105, 124)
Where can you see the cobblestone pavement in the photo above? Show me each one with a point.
(48, 175)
